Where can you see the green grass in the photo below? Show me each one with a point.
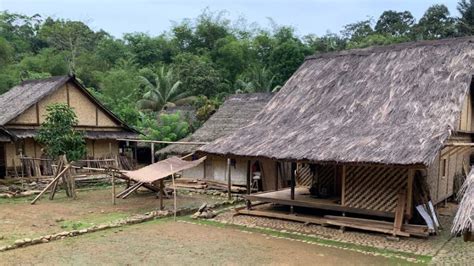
(271, 232)
(93, 220)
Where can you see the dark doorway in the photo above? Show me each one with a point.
(3, 166)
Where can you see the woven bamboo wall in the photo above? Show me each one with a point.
(374, 187)
(304, 175)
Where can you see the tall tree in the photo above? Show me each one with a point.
(395, 23)
(161, 91)
(466, 21)
(436, 23)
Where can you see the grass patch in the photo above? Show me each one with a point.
(267, 231)
(93, 220)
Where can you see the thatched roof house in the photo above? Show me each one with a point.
(23, 109)
(394, 105)
(368, 121)
(237, 111)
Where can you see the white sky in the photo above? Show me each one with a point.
(155, 16)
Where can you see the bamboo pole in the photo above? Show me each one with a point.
(164, 142)
(113, 187)
(50, 184)
(174, 191)
(161, 194)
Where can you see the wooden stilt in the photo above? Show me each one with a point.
(277, 167)
(399, 213)
(162, 192)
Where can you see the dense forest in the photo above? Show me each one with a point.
(197, 62)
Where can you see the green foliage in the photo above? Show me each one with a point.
(466, 21)
(208, 57)
(164, 89)
(57, 133)
(170, 127)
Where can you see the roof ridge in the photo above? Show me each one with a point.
(392, 47)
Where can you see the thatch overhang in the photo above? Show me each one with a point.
(88, 134)
(237, 111)
(23, 96)
(393, 105)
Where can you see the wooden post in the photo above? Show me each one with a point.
(113, 187)
(50, 184)
(249, 177)
(152, 152)
(277, 167)
(293, 183)
(411, 175)
(343, 185)
(162, 191)
(229, 180)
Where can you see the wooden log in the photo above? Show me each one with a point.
(137, 186)
(289, 217)
(50, 184)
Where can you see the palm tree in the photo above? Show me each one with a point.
(163, 91)
(257, 80)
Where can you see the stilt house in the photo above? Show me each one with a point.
(372, 125)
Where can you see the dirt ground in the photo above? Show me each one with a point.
(166, 242)
(19, 219)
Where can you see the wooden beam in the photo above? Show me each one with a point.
(277, 168)
(293, 183)
(399, 213)
(113, 187)
(51, 183)
(270, 214)
(162, 191)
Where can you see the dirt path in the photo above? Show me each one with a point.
(178, 243)
(19, 219)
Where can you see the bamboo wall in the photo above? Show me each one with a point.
(374, 187)
(88, 113)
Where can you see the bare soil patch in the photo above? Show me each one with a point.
(19, 219)
(166, 242)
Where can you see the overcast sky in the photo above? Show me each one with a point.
(155, 16)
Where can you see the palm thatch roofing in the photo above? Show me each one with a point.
(464, 219)
(23, 96)
(237, 111)
(392, 105)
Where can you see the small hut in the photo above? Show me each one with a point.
(237, 111)
(464, 220)
(381, 129)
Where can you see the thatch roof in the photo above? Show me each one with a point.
(238, 110)
(88, 134)
(21, 97)
(464, 219)
(393, 105)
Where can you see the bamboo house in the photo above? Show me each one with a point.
(380, 130)
(23, 109)
(237, 111)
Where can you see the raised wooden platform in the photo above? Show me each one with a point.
(304, 199)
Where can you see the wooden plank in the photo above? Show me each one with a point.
(162, 191)
(315, 205)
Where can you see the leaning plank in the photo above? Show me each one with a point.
(134, 186)
(139, 184)
(50, 184)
